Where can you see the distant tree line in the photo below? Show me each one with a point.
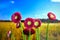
(43, 20)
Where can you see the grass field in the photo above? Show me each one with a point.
(54, 31)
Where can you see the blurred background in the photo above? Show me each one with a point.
(30, 8)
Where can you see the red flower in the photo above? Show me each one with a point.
(9, 34)
(17, 25)
(28, 23)
(51, 16)
(26, 31)
(37, 23)
(16, 17)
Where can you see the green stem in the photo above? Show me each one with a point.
(12, 36)
(29, 34)
(47, 30)
(24, 37)
(36, 34)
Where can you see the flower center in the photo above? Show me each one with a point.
(36, 23)
(29, 23)
(52, 16)
(16, 17)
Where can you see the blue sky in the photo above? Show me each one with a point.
(29, 8)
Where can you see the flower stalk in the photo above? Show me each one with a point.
(47, 30)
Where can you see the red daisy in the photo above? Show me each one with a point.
(9, 34)
(51, 16)
(37, 23)
(28, 23)
(16, 17)
(26, 31)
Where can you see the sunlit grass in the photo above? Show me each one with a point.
(53, 28)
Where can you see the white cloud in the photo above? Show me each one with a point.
(55, 0)
(12, 2)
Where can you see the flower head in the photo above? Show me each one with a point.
(37, 23)
(17, 25)
(26, 31)
(16, 17)
(9, 34)
(28, 23)
(51, 16)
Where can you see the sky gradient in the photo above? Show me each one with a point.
(29, 8)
